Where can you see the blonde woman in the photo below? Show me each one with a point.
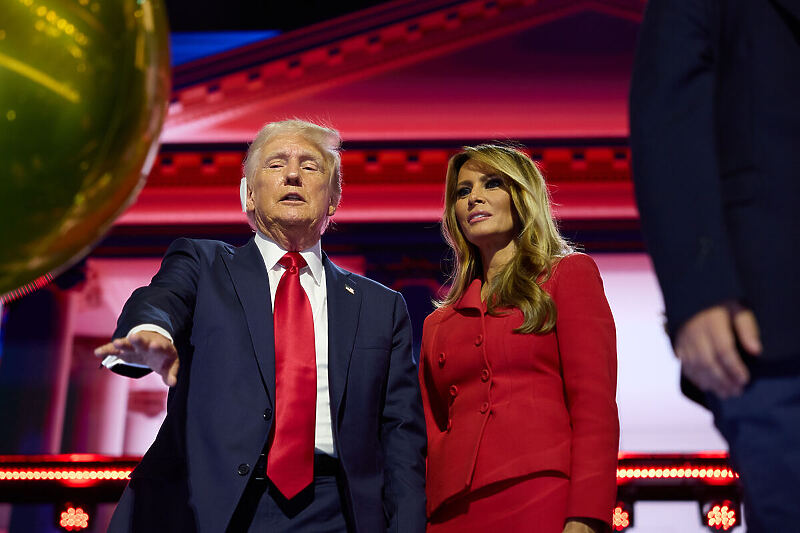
(518, 364)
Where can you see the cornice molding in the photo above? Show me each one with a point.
(302, 63)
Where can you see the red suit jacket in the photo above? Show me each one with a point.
(499, 405)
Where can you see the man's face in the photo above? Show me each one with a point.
(291, 190)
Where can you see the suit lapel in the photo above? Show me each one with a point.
(249, 277)
(344, 305)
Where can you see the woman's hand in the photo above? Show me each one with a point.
(581, 526)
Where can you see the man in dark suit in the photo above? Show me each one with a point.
(715, 137)
(294, 403)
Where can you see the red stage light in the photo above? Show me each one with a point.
(711, 474)
(721, 516)
(67, 476)
(623, 516)
(74, 518)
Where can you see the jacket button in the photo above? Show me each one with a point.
(484, 407)
(442, 359)
(267, 413)
(243, 469)
(485, 375)
(453, 391)
(478, 340)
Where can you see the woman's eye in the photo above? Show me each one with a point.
(493, 183)
(461, 192)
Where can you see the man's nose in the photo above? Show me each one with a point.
(293, 172)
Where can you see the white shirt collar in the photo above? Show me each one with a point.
(272, 253)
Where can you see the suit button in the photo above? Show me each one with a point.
(267, 413)
(485, 375)
(442, 359)
(243, 469)
(453, 391)
(479, 340)
(484, 407)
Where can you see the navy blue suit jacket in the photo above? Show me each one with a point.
(215, 301)
(715, 138)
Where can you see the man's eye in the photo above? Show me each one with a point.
(310, 168)
(275, 164)
(461, 192)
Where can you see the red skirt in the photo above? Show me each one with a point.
(532, 503)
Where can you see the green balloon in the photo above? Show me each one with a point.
(84, 86)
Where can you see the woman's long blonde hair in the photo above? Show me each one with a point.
(538, 242)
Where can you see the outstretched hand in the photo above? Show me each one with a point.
(145, 348)
(706, 346)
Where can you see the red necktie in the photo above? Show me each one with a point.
(290, 462)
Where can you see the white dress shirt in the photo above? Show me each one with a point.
(312, 279)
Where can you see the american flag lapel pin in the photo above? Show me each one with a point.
(349, 289)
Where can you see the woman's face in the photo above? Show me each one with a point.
(483, 206)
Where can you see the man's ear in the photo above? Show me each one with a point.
(245, 196)
(250, 202)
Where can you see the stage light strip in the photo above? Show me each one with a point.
(623, 474)
(709, 466)
(39, 474)
(670, 472)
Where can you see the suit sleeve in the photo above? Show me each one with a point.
(403, 433)
(675, 166)
(587, 349)
(167, 302)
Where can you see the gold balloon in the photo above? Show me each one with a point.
(83, 94)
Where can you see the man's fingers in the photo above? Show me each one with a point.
(152, 342)
(707, 349)
(727, 355)
(140, 342)
(697, 364)
(746, 326)
(122, 344)
(106, 350)
(171, 377)
(715, 377)
(167, 368)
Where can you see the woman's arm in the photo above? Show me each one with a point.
(587, 348)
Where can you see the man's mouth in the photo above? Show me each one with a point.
(477, 216)
(292, 197)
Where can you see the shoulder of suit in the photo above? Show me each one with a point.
(574, 262)
(572, 271)
(205, 243)
(207, 247)
(437, 315)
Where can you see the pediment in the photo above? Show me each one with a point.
(424, 71)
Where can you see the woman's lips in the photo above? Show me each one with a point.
(477, 216)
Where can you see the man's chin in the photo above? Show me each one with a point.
(295, 224)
